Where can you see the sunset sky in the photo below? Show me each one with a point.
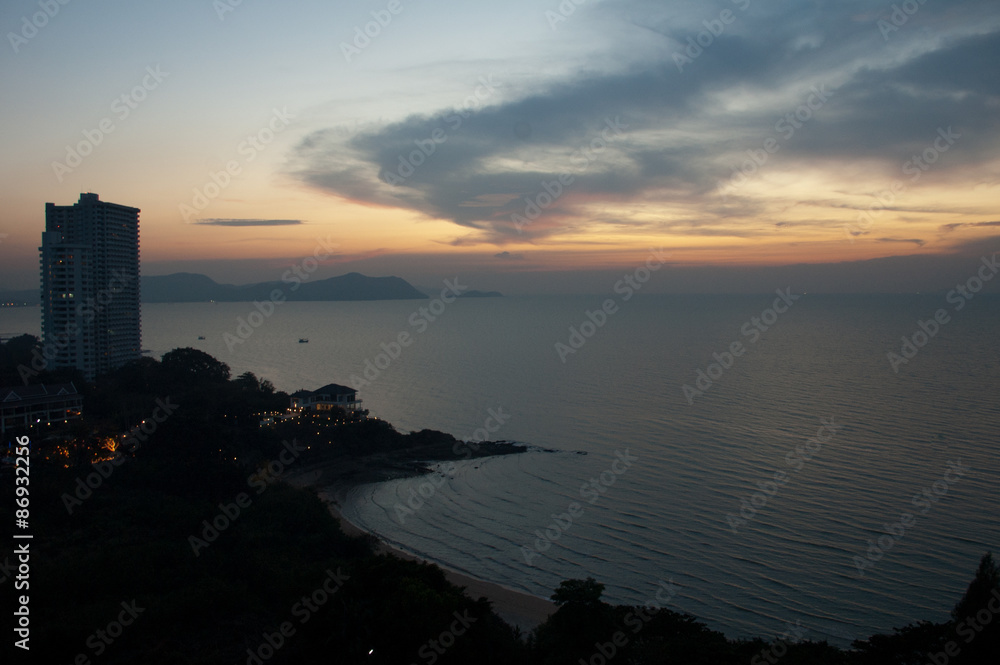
(529, 145)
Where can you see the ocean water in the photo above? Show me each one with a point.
(667, 513)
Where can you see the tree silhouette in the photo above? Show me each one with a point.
(189, 365)
(977, 615)
(585, 592)
(981, 588)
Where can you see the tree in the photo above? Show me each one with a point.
(581, 620)
(585, 592)
(142, 375)
(247, 381)
(15, 352)
(191, 366)
(975, 616)
(980, 590)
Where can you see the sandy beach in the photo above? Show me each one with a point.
(516, 608)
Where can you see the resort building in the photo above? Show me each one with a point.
(90, 285)
(22, 407)
(325, 398)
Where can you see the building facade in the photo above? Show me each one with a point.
(22, 407)
(90, 285)
(329, 396)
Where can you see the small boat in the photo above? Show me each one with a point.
(303, 340)
(201, 337)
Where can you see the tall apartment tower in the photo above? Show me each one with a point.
(90, 285)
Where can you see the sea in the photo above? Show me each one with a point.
(762, 462)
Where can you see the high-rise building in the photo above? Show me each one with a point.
(90, 285)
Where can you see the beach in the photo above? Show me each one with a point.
(516, 608)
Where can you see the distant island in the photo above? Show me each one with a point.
(193, 287)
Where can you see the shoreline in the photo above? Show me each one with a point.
(517, 608)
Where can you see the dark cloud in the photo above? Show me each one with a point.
(680, 131)
(951, 227)
(894, 112)
(916, 241)
(248, 222)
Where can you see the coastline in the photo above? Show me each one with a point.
(515, 607)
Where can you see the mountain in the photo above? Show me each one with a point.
(184, 287)
(191, 287)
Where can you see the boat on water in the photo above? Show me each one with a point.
(303, 340)
(201, 337)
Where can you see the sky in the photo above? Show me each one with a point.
(530, 146)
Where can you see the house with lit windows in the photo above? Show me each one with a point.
(39, 405)
(325, 398)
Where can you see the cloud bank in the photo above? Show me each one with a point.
(681, 137)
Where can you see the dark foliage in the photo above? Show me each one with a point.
(218, 585)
